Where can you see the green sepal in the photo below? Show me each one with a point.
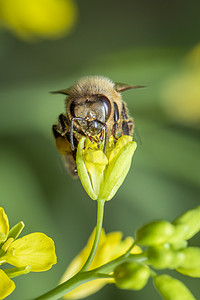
(82, 170)
(118, 167)
(17, 271)
(191, 218)
(16, 230)
(171, 288)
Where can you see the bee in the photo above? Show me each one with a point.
(94, 108)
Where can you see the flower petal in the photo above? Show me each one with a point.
(171, 288)
(7, 286)
(4, 224)
(35, 249)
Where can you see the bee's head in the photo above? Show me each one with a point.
(93, 112)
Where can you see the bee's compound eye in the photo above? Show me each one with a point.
(107, 106)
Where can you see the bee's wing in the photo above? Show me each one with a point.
(64, 148)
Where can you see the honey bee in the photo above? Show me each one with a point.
(94, 108)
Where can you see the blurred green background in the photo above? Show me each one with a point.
(136, 42)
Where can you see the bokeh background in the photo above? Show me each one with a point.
(48, 45)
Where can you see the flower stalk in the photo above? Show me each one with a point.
(100, 212)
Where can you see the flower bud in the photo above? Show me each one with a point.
(171, 288)
(179, 245)
(189, 272)
(161, 257)
(102, 174)
(131, 276)
(191, 218)
(179, 233)
(155, 233)
(192, 258)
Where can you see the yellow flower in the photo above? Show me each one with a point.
(110, 247)
(181, 93)
(102, 173)
(33, 252)
(34, 19)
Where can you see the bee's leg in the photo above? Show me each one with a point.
(127, 124)
(104, 136)
(56, 132)
(63, 124)
(67, 128)
(116, 120)
(62, 143)
(72, 128)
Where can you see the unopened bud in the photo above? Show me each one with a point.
(155, 233)
(131, 276)
(191, 218)
(180, 231)
(189, 272)
(171, 288)
(102, 174)
(192, 258)
(161, 257)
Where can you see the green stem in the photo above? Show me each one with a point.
(129, 250)
(71, 284)
(80, 278)
(110, 266)
(100, 211)
(153, 273)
